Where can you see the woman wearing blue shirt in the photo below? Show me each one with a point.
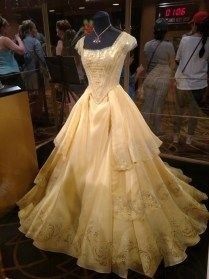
(9, 70)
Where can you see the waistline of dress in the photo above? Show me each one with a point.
(91, 89)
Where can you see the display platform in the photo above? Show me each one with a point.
(18, 161)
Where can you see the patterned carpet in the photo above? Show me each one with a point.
(21, 260)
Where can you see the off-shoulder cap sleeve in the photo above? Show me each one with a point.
(79, 45)
(129, 42)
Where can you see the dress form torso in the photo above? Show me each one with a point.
(101, 22)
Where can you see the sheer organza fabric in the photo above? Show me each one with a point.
(104, 196)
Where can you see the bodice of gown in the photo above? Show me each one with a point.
(105, 97)
(103, 67)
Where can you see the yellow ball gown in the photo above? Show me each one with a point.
(104, 196)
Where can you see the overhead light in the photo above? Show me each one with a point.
(115, 4)
(51, 11)
(81, 8)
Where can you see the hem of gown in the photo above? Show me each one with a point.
(67, 252)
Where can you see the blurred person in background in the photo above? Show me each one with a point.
(85, 29)
(66, 35)
(191, 75)
(9, 70)
(39, 36)
(160, 57)
(66, 44)
(34, 56)
(65, 47)
(35, 69)
(133, 78)
(19, 58)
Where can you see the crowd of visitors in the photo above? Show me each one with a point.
(22, 62)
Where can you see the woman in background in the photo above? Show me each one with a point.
(9, 70)
(66, 47)
(34, 55)
(160, 56)
(35, 65)
(191, 75)
(20, 58)
(66, 35)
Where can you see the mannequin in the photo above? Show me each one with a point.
(101, 24)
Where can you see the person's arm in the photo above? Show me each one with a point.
(141, 70)
(42, 62)
(59, 48)
(140, 73)
(179, 53)
(39, 51)
(172, 54)
(43, 39)
(145, 54)
(9, 44)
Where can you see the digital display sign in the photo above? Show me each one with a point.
(176, 13)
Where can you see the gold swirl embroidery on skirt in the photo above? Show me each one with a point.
(128, 209)
(168, 247)
(149, 200)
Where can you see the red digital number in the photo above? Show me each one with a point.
(183, 11)
(172, 12)
(178, 11)
(168, 12)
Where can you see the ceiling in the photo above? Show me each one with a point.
(84, 6)
(83, 3)
(69, 7)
